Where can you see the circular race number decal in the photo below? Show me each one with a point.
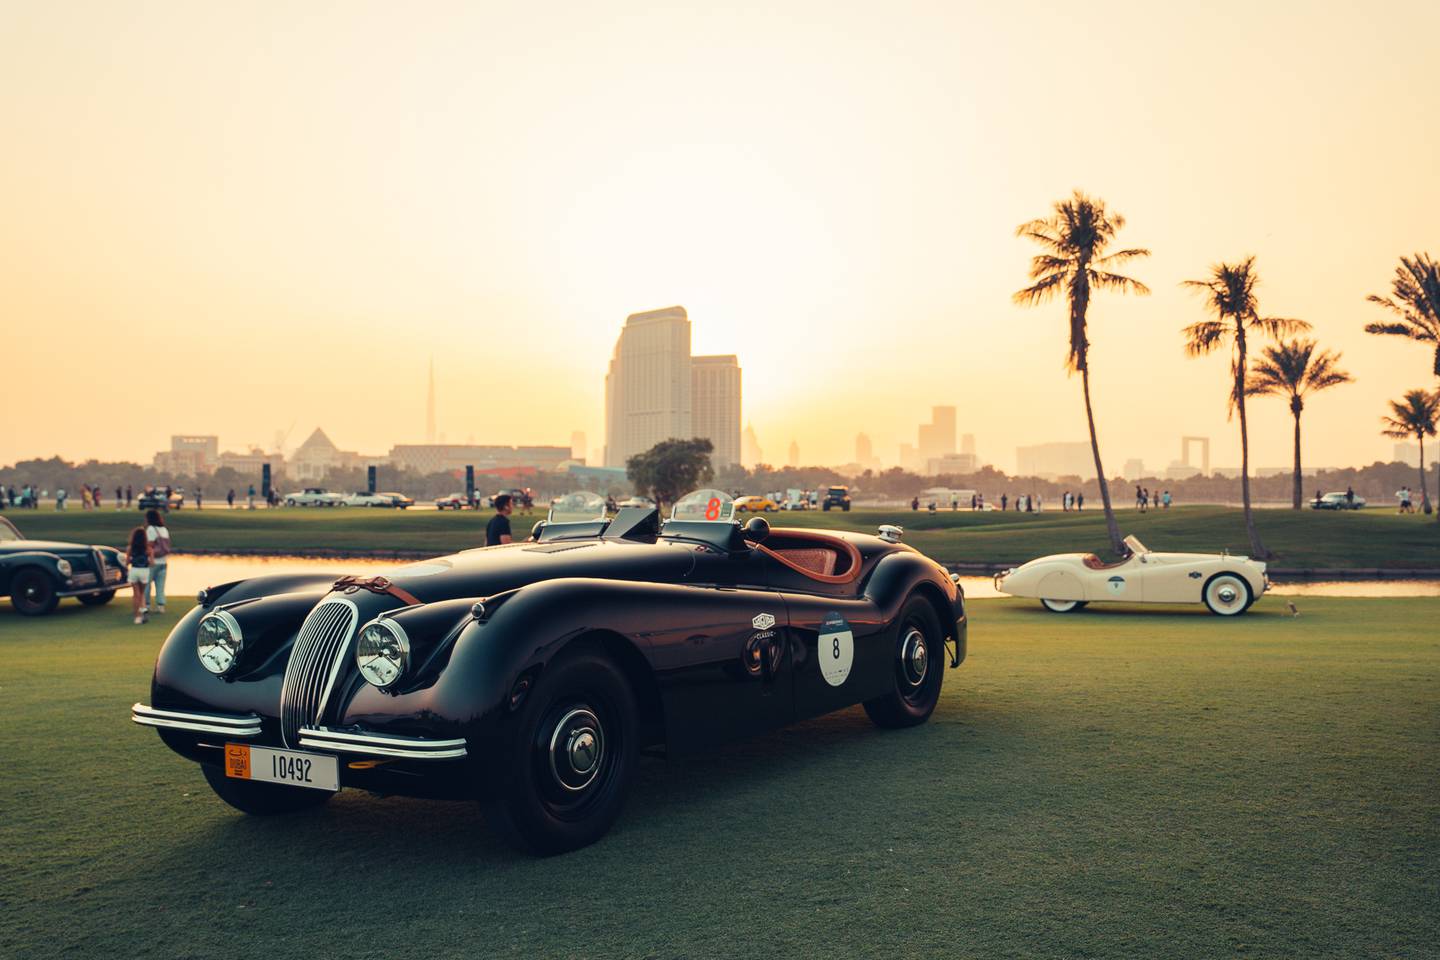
(836, 649)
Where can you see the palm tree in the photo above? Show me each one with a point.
(1416, 301)
(1229, 292)
(1074, 239)
(1415, 416)
(1293, 370)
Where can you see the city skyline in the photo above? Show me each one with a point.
(842, 214)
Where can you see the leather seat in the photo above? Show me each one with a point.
(815, 560)
(1095, 563)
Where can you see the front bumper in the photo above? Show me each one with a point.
(356, 741)
(239, 726)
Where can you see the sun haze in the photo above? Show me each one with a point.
(233, 218)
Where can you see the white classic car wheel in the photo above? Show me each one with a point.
(1227, 594)
(1062, 606)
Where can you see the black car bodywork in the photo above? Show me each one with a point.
(683, 636)
(37, 574)
(837, 497)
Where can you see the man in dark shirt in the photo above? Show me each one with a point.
(497, 531)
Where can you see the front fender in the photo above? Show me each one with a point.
(48, 562)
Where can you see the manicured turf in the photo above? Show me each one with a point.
(1304, 539)
(1126, 782)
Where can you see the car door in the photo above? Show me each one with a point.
(842, 651)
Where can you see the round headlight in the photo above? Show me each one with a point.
(64, 567)
(382, 653)
(218, 642)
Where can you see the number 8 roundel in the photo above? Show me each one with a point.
(712, 509)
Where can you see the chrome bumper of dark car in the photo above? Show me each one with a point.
(380, 744)
(226, 724)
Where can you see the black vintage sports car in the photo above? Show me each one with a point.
(529, 676)
(38, 573)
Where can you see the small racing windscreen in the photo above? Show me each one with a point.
(1136, 547)
(715, 506)
(577, 507)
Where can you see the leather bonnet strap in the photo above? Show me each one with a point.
(377, 585)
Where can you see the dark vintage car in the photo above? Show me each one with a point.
(837, 497)
(38, 573)
(162, 499)
(529, 676)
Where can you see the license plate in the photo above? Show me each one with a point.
(314, 770)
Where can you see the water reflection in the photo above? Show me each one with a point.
(189, 573)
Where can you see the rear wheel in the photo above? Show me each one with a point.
(32, 593)
(1227, 594)
(568, 757)
(290, 502)
(262, 799)
(97, 599)
(919, 669)
(1062, 606)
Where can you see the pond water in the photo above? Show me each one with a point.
(191, 573)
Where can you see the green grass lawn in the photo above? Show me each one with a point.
(1305, 539)
(1127, 782)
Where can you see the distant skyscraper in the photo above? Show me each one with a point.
(715, 405)
(967, 443)
(937, 438)
(750, 452)
(794, 458)
(430, 406)
(864, 451)
(577, 444)
(648, 387)
(1050, 460)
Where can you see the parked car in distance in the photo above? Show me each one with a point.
(159, 500)
(530, 677)
(755, 504)
(795, 499)
(517, 496)
(452, 501)
(37, 574)
(1337, 501)
(838, 497)
(1066, 582)
(635, 502)
(313, 497)
(362, 498)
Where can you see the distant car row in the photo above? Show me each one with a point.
(317, 497)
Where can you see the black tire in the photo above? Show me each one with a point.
(262, 799)
(97, 599)
(542, 801)
(826, 508)
(1063, 606)
(32, 592)
(846, 508)
(289, 503)
(915, 692)
(1227, 594)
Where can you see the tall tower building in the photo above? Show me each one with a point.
(715, 405)
(648, 387)
(864, 450)
(794, 458)
(577, 444)
(430, 406)
(937, 438)
(750, 452)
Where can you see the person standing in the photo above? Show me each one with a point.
(199, 498)
(250, 497)
(158, 536)
(95, 495)
(1349, 496)
(1165, 500)
(129, 496)
(60, 497)
(1004, 502)
(1079, 501)
(497, 531)
(230, 498)
(137, 557)
(119, 498)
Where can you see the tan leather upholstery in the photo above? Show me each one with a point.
(816, 555)
(815, 560)
(1095, 563)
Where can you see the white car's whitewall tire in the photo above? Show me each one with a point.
(1227, 594)
(1062, 606)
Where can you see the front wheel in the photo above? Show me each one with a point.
(32, 593)
(919, 669)
(262, 799)
(568, 757)
(290, 502)
(1062, 606)
(1227, 594)
(97, 599)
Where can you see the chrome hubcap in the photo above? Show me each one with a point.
(1227, 594)
(914, 656)
(577, 746)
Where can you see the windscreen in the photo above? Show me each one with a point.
(577, 507)
(715, 506)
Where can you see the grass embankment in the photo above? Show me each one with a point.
(1307, 539)
(1128, 782)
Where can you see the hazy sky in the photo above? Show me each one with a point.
(232, 218)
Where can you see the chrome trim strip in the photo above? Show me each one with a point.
(381, 744)
(247, 725)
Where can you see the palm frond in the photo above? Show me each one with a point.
(1204, 336)
(1114, 281)
(1123, 256)
(1041, 291)
(1396, 329)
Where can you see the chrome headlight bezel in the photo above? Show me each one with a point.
(382, 653)
(226, 646)
(63, 567)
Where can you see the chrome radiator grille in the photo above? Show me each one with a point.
(315, 665)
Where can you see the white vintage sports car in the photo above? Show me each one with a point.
(1066, 582)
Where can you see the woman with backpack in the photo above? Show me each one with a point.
(157, 535)
(138, 554)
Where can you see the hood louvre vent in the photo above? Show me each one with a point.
(314, 666)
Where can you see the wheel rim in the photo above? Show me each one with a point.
(577, 749)
(33, 593)
(575, 758)
(1060, 606)
(1226, 595)
(914, 658)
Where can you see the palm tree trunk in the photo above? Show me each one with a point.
(1424, 486)
(1116, 543)
(1257, 548)
(1295, 494)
